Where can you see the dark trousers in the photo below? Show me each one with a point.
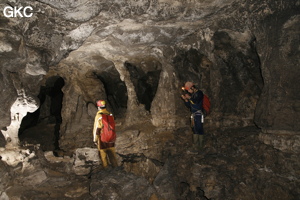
(198, 125)
(198, 131)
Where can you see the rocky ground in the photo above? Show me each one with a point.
(156, 164)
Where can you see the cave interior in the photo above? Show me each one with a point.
(137, 55)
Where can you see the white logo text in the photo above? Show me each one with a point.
(17, 12)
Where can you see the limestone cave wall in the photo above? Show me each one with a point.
(137, 54)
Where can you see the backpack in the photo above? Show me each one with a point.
(206, 104)
(108, 134)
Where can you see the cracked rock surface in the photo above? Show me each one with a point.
(234, 164)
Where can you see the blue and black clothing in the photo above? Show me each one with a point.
(195, 105)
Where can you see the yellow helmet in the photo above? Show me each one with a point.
(101, 103)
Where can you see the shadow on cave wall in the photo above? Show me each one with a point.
(234, 83)
(2, 140)
(240, 69)
(44, 124)
(187, 65)
(193, 66)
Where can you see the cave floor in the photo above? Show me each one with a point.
(233, 163)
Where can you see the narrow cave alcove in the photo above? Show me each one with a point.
(115, 90)
(43, 126)
(145, 80)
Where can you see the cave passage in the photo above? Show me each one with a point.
(43, 126)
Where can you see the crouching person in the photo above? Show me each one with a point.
(104, 135)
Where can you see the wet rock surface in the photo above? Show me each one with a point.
(234, 164)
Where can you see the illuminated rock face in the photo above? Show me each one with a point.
(19, 109)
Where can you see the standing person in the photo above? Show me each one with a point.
(193, 99)
(106, 149)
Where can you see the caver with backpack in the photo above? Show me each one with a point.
(104, 135)
(199, 105)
